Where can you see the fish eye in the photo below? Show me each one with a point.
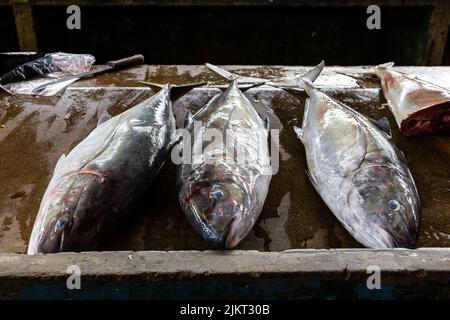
(217, 194)
(393, 205)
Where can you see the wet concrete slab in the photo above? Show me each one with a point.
(35, 131)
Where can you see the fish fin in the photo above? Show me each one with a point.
(386, 65)
(309, 87)
(384, 125)
(314, 72)
(179, 90)
(311, 178)
(299, 132)
(104, 116)
(295, 82)
(153, 84)
(241, 82)
(176, 90)
(5, 89)
(222, 72)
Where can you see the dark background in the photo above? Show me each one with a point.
(232, 35)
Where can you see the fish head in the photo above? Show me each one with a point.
(222, 209)
(383, 206)
(62, 211)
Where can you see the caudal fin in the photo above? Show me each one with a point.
(314, 72)
(222, 72)
(295, 81)
(309, 87)
(176, 90)
(386, 65)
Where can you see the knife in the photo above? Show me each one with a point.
(110, 66)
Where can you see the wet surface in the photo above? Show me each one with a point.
(34, 132)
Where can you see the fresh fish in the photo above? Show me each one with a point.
(222, 199)
(95, 185)
(289, 82)
(419, 107)
(361, 176)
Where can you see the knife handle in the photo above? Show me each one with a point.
(128, 61)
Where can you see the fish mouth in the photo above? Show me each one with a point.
(52, 239)
(223, 239)
(406, 239)
(216, 235)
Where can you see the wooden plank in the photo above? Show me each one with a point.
(342, 273)
(437, 35)
(26, 34)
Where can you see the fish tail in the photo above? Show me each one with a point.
(312, 74)
(159, 86)
(386, 65)
(309, 87)
(381, 69)
(222, 72)
(176, 90)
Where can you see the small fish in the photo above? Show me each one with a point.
(361, 176)
(420, 107)
(222, 199)
(95, 185)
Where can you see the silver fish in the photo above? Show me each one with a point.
(96, 184)
(361, 176)
(223, 198)
(419, 107)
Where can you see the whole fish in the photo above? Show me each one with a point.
(419, 107)
(361, 176)
(95, 185)
(222, 199)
